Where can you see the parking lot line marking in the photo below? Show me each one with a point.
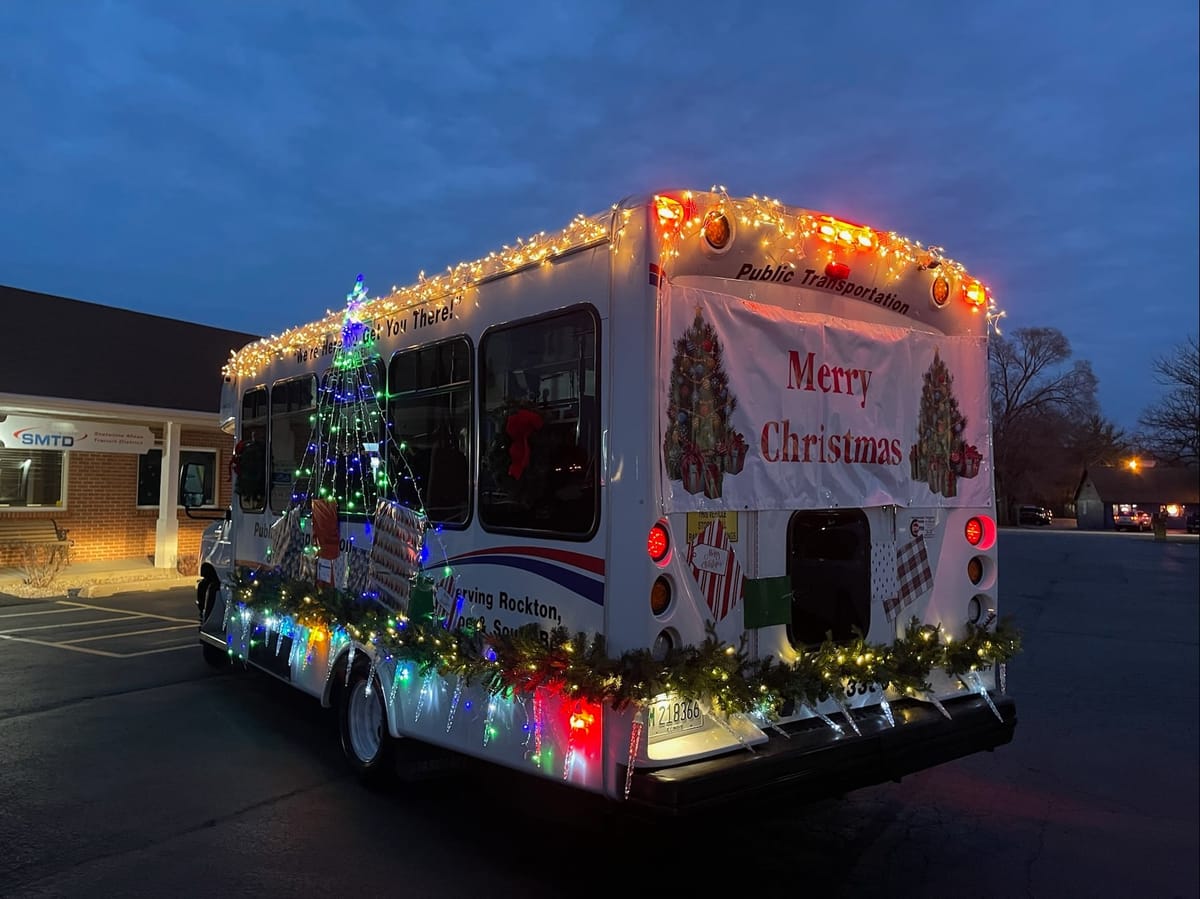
(93, 652)
(97, 652)
(61, 625)
(154, 630)
(150, 652)
(84, 605)
(43, 612)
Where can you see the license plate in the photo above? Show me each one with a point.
(671, 717)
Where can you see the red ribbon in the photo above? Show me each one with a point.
(519, 426)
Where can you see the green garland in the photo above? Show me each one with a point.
(579, 665)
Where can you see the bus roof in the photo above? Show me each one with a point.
(678, 214)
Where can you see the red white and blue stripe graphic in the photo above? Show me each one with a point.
(576, 572)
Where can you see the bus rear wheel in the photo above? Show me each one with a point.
(362, 719)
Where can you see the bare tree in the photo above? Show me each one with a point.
(1042, 401)
(1172, 425)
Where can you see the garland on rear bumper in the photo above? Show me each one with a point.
(579, 666)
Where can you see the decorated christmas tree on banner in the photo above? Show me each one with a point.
(342, 472)
(941, 454)
(700, 444)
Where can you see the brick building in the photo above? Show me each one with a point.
(92, 399)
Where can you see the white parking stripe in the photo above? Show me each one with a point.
(62, 626)
(42, 612)
(98, 652)
(155, 630)
(84, 605)
(130, 616)
(94, 652)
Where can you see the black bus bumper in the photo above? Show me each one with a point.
(814, 762)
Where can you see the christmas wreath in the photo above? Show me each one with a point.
(518, 458)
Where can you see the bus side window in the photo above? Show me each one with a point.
(431, 392)
(292, 405)
(250, 454)
(539, 470)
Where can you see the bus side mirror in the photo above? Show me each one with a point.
(191, 485)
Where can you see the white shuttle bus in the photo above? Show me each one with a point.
(691, 499)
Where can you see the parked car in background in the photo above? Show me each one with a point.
(1038, 515)
(1133, 520)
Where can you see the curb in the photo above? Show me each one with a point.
(97, 591)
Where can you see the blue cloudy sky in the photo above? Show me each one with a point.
(236, 163)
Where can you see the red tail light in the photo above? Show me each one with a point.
(980, 531)
(658, 542)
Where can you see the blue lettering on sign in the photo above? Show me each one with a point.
(59, 440)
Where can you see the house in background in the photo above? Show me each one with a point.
(1103, 492)
(92, 399)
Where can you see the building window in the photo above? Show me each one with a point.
(541, 438)
(200, 491)
(32, 478)
(429, 410)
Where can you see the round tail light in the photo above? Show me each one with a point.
(658, 543)
(660, 595)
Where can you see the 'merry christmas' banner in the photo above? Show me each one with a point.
(766, 408)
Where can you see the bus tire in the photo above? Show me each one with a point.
(217, 658)
(362, 722)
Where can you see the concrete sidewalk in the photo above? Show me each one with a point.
(96, 579)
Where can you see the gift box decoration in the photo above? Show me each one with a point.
(395, 553)
(712, 480)
(735, 454)
(956, 462)
(693, 471)
(971, 461)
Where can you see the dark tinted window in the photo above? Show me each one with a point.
(250, 454)
(292, 405)
(540, 421)
(429, 410)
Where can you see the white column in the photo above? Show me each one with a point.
(166, 532)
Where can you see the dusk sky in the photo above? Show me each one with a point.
(238, 163)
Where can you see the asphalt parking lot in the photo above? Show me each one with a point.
(131, 768)
(128, 630)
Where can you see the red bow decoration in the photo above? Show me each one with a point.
(519, 426)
